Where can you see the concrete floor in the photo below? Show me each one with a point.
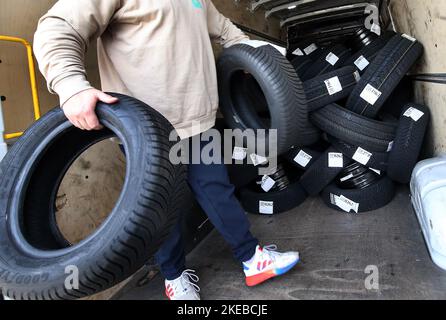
(335, 249)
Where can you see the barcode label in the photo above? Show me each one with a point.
(362, 156)
(267, 183)
(258, 160)
(333, 85)
(239, 153)
(361, 63)
(266, 207)
(413, 113)
(335, 160)
(303, 158)
(344, 203)
(370, 94)
(332, 58)
(298, 52)
(310, 49)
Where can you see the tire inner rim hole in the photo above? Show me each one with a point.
(72, 189)
(249, 101)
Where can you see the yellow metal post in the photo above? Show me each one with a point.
(32, 79)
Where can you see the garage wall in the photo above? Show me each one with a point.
(426, 20)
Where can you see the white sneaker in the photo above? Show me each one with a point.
(184, 287)
(267, 263)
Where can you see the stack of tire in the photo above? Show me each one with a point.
(336, 136)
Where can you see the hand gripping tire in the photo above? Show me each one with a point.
(281, 87)
(33, 255)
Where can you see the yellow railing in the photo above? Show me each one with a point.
(32, 79)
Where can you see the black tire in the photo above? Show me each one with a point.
(321, 65)
(320, 91)
(320, 174)
(302, 158)
(384, 74)
(33, 256)
(301, 64)
(371, 198)
(370, 52)
(279, 202)
(255, 95)
(378, 160)
(408, 143)
(281, 87)
(354, 129)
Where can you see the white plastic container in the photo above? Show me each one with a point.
(428, 188)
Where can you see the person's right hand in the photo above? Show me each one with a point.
(80, 108)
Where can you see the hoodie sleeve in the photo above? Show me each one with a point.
(221, 29)
(62, 39)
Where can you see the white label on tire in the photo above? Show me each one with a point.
(362, 156)
(376, 171)
(267, 183)
(298, 52)
(310, 49)
(409, 37)
(332, 58)
(376, 29)
(303, 158)
(257, 160)
(390, 146)
(370, 94)
(239, 153)
(335, 160)
(357, 76)
(346, 177)
(413, 113)
(344, 203)
(333, 85)
(266, 207)
(361, 63)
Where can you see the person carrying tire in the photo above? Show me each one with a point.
(159, 52)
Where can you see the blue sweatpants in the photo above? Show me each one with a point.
(214, 192)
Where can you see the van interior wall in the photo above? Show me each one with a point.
(93, 183)
(426, 21)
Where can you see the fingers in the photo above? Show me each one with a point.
(107, 98)
(92, 121)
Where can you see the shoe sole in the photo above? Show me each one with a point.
(262, 277)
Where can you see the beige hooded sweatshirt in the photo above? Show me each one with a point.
(158, 51)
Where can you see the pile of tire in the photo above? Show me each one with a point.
(338, 135)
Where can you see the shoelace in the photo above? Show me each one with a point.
(272, 250)
(191, 278)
